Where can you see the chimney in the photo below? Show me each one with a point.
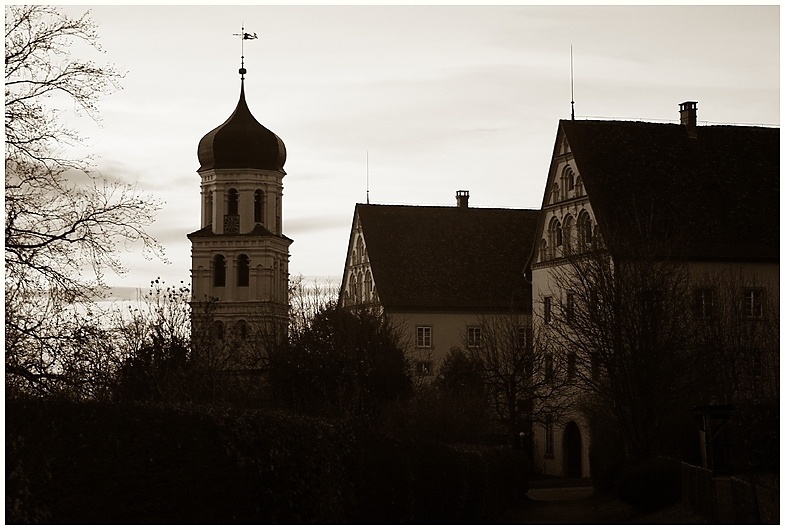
(689, 117)
(462, 196)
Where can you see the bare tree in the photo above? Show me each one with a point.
(522, 383)
(737, 331)
(64, 226)
(622, 325)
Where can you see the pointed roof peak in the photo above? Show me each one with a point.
(241, 142)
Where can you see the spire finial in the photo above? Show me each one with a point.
(243, 37)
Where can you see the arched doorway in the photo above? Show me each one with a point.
(572, 450)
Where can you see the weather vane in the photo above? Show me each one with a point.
(243, 37)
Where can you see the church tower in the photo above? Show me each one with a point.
(240, 257)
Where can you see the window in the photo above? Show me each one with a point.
(474, 337)
(218, 330)
(584, 231)
(569, 178)
(367, 287)
(543, 250)
(555, 193)
(549, 436)
(521, 338)
(753, 303)
(424, 337)
(704, 303)
(277, 214)
(424, 367)
(208, 208)
(567, 234)
(571, 359)
(219, 271)
(547, 310)
(548, 368)
(595, 366)
(569, 308)
(258, 206)
(351, 288)
(241, 329)
(232, 200)
(558, 234)
(243, 271)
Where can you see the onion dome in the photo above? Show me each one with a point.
(241, 142)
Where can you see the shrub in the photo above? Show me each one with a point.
(650, 485)
(98, 463)
(342, 363)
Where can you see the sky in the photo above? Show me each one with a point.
(414, 101)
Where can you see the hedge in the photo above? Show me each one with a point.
(100, 463)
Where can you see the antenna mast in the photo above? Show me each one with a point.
(572, 88)
(367, 187)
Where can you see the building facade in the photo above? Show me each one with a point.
(702, 199)
(439, 272)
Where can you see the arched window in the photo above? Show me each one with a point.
(543, 250)
(258, 206)
(367, 287)
(277, 214)
(243, 271)
(555, 193)
(578, 186)
(554, 236)
(567, 234)
(558, 234)
(219, 271)
(352, 285)
(208, 208)
(585, 230)
(569, 179)
(232, 201)
(356, 288)
(361, 249)
(241, 329)
(218, 330)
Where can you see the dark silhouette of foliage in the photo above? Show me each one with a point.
(342, 362)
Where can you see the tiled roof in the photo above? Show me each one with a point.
(717, 195)
(463, 259)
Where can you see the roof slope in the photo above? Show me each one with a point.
(464, 259)
(717, 194)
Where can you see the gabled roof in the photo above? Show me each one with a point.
(448, 258)
(716, 194)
